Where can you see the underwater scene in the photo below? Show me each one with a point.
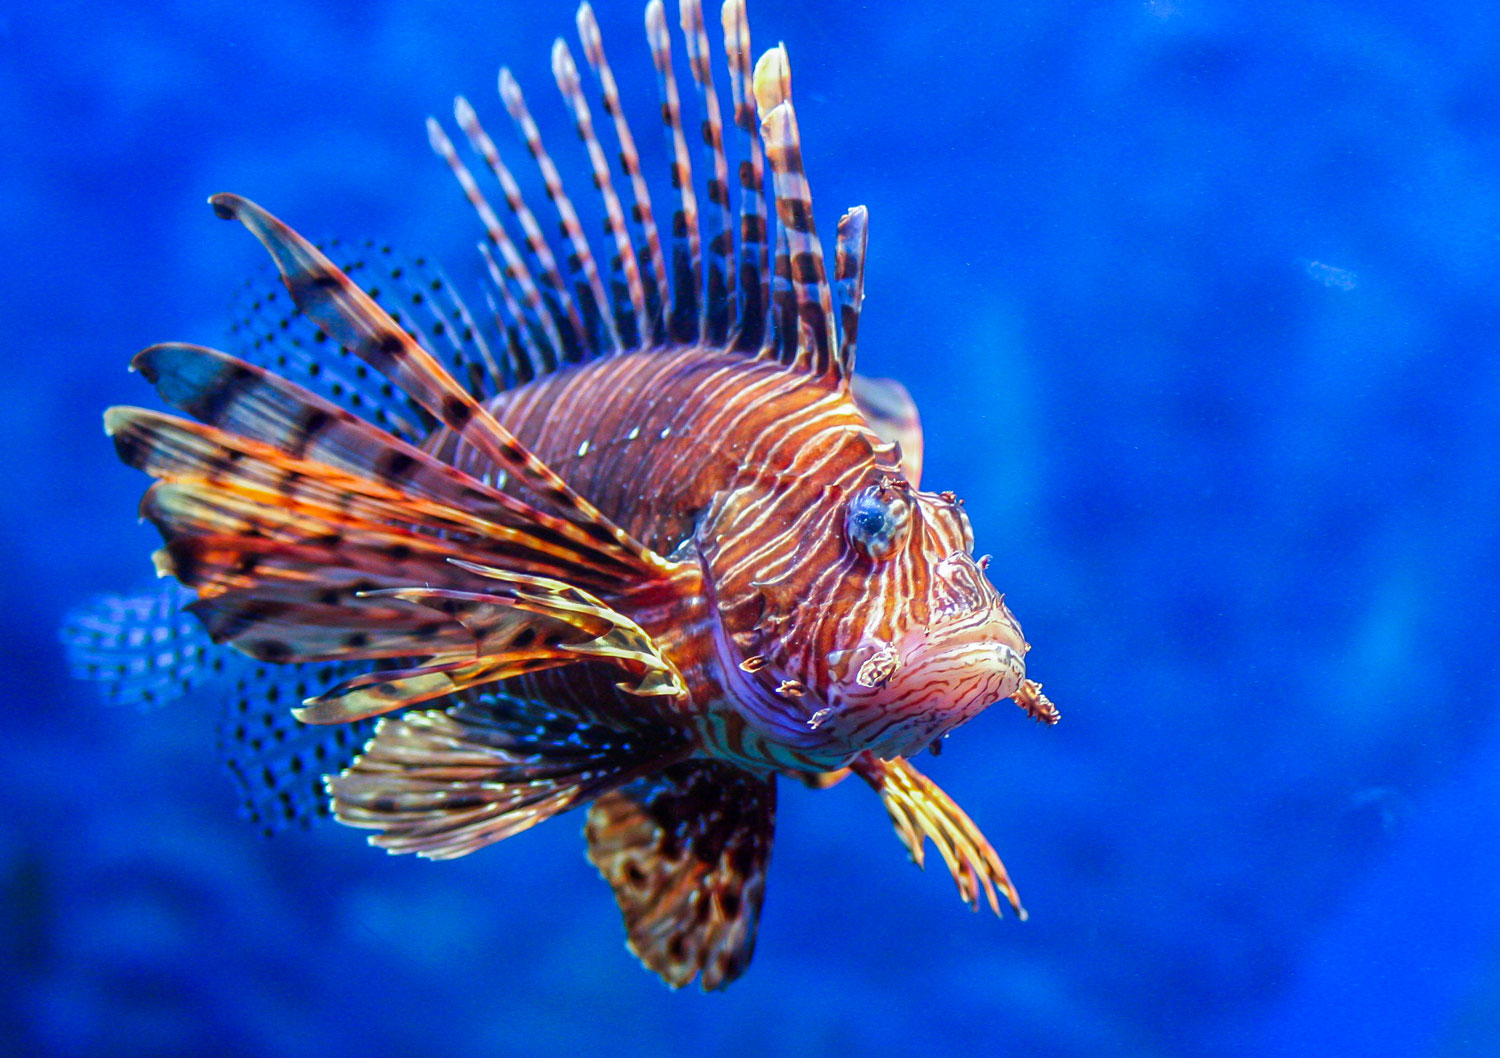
(1196, 304)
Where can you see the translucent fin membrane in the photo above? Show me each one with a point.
(329, 297)
(719, 270)
(647, 239)
(753, 270)
(720, 284)
(149, 650)
(687, 261)
(444, 783)
(143, 650)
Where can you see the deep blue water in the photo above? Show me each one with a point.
(1198, 302)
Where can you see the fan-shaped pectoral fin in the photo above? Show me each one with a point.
(920, 810)
(686, 851)
(444, 782)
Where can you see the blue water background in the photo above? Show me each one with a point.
(1198, 300)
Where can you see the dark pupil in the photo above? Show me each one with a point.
(870, 521)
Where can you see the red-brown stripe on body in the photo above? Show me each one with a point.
(651, 440)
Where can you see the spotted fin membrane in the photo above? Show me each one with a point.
(303, 511)
(148, 650)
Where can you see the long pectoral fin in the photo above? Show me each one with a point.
(524, 624)
(920, 810)
(686, 853)
(335, 303)
(444, 783)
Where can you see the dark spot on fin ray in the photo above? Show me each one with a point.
(813, 347)
(256, 438)
(149, 650)
(444, 783)
(347, 313)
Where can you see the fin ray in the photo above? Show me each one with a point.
(920, 810)
(444, 783)
(685, 324)
(804, 269)
(329, 297)
(686, 853)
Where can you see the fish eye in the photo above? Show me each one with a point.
(877, 520)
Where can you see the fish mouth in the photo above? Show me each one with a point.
(962, 665)
(910, 692)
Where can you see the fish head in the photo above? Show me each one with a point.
(856, 617)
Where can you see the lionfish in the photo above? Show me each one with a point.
(643, 542)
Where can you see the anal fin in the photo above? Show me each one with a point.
(686, 853)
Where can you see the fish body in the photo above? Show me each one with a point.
(649, 548)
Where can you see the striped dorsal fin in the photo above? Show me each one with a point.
(628, 294)
(540, 337)
(718, 306)
(754, 272)
(332, 300)
(723, 281)
(647, 238)
(849, 280)
(554, 288)
(589, 288)
(807, 314)
(685, 322)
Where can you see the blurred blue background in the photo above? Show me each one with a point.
(1198, 300)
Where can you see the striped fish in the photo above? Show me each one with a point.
(637, 539)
